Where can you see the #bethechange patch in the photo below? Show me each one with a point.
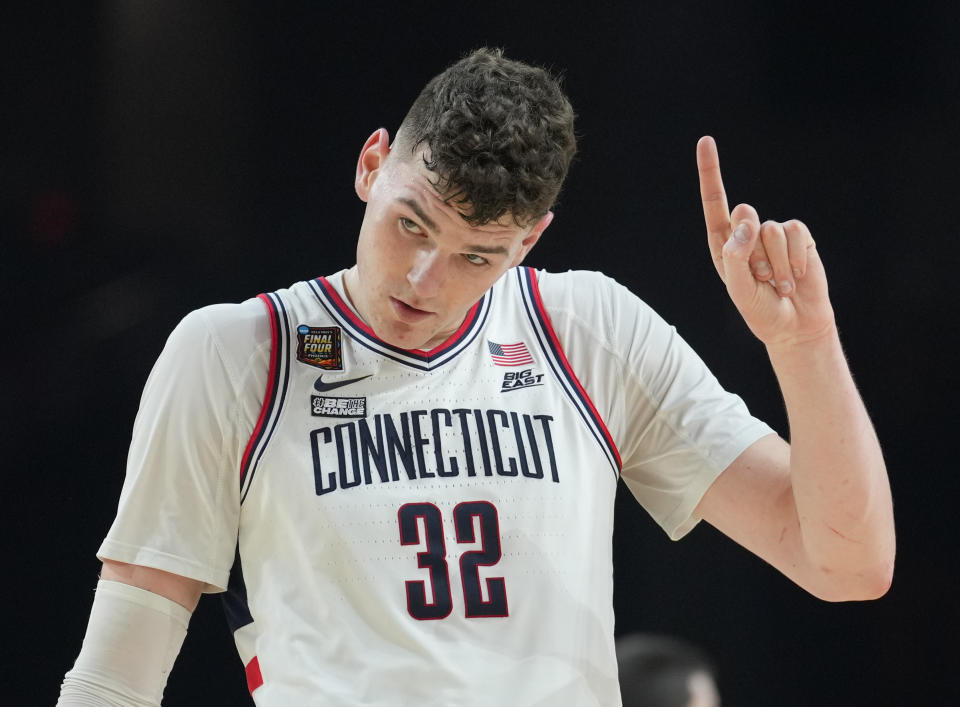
(333, 406)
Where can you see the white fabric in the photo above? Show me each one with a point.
(325, 571)
(133, 638)
(197, 410)
(674, 424)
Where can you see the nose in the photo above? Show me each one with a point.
(428, 273)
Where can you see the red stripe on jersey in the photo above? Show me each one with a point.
(362, 325)
(268, 393)
(254, 676)
(455, 336)
(535, 289)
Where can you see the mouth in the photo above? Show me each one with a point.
(408, 314)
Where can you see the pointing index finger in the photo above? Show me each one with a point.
(716, 213)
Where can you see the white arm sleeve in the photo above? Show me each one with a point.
(133, 638)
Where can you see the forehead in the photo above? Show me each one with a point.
(411, 181)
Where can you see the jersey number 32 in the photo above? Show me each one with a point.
(434, 559)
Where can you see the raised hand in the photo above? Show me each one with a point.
(772, 271)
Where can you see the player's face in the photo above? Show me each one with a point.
(420, 266)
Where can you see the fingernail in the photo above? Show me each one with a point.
(741, 233)
(785, 286)
(797, 272)
(763, 268)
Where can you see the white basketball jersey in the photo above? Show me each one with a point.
(425, 527)
(420, 527)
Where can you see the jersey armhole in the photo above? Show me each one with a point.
(574, 388)
(257, 441)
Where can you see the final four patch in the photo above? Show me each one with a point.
(320, 346)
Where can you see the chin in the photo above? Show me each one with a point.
(403, 339)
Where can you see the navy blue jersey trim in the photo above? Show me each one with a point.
(235, 604)
(271, 391)
(525, 277)
(276, 403)
(408, 358)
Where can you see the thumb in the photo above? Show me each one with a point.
(736, 260)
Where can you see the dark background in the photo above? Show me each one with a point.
(164, 156)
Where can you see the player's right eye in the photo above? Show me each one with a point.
(409, 225)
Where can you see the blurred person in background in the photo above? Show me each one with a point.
(664, 671)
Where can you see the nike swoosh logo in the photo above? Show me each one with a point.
(322, 387)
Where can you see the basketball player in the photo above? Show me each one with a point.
(401, 476)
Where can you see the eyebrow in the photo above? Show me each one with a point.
(429, 223)
(415, 207)
(487, 249)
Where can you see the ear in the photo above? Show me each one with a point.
(372, 157)
(531, 238)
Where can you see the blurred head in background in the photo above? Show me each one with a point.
(661, 671)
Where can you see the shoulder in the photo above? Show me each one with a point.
(233, 322)
(561, 285)
(229, 325)
(584, 291)
(229, 335)
(592, 301)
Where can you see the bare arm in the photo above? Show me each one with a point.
(819, 509)
(186, 592)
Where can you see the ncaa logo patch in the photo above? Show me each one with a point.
(319, 346)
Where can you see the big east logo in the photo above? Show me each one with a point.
(319, 346)
(514, 380)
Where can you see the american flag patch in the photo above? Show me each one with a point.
(509, 354)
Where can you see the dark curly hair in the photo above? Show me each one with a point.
(500, 137)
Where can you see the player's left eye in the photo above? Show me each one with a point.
(409, 225)
(475, 259)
